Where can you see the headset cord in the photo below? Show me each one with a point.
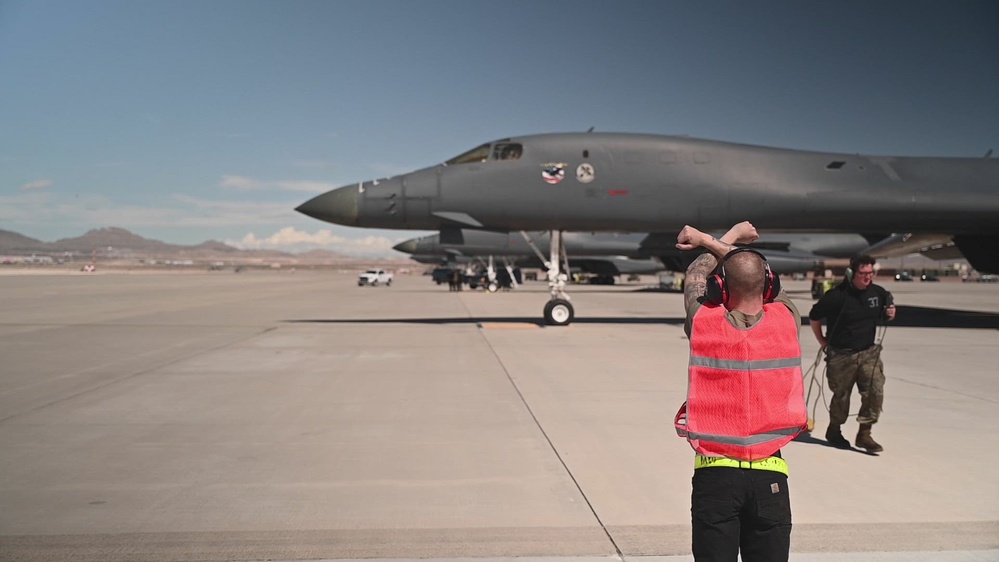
(882, 331)
(818, 381)
(815, 382)
(879, 337)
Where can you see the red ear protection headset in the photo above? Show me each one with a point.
(717, 289)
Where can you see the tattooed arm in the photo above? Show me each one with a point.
(695, 283)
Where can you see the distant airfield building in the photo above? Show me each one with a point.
(37, 260)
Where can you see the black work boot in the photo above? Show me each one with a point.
(835, 437)
(865, 441)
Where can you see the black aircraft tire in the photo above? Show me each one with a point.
(558, 312)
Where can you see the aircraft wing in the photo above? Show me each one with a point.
(614, 265)
(934, 246)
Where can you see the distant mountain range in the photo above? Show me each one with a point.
(97, 239)
(112, 242)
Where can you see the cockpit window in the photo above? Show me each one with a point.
(479, 154)
(507, 151)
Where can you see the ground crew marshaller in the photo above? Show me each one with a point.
(745, 399)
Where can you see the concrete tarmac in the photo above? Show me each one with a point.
(277, 415)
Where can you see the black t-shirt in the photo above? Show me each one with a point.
(851, 316)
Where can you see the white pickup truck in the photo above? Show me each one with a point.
(375, 277)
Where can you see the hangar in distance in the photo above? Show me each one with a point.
(621, 182)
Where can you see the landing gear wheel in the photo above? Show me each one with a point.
(492, 287)
(558, 312)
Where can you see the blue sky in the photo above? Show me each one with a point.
(186, 121)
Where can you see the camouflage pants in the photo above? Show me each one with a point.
(862, 368)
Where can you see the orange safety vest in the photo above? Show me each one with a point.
(745, 397)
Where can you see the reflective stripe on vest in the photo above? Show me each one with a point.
(736, 365)
(745, 441)
(745, 398)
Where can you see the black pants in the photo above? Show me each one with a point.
(733, 508)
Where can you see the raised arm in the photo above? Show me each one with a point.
(695, 282)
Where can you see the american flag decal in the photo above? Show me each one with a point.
(553, 172)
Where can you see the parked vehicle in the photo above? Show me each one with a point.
(374, 277)
(441, 275)
(903, 276)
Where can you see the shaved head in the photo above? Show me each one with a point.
(744, 274)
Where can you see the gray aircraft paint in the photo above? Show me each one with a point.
(649, 183)
(786, 252)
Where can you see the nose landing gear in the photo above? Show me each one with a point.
(558, 310)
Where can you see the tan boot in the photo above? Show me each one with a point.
(835, 437)
(865, 441)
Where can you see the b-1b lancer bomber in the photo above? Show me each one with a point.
(618, 182)
(607, 254)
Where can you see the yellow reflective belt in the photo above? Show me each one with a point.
(775, 464)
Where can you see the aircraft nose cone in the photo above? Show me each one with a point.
(409, 246)
(339, 206)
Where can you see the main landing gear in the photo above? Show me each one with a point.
(493, 282)
(558, 310)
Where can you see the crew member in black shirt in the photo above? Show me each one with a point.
(852, 311)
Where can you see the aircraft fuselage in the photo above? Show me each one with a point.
(649, 183)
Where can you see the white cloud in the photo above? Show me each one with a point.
(387, 170)
(246, 184)
(306, 186)
(197, 218)
(321, 164)
(34, 208)
(40, 184)
(29, 207)
(239, 182)
(291, 239)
